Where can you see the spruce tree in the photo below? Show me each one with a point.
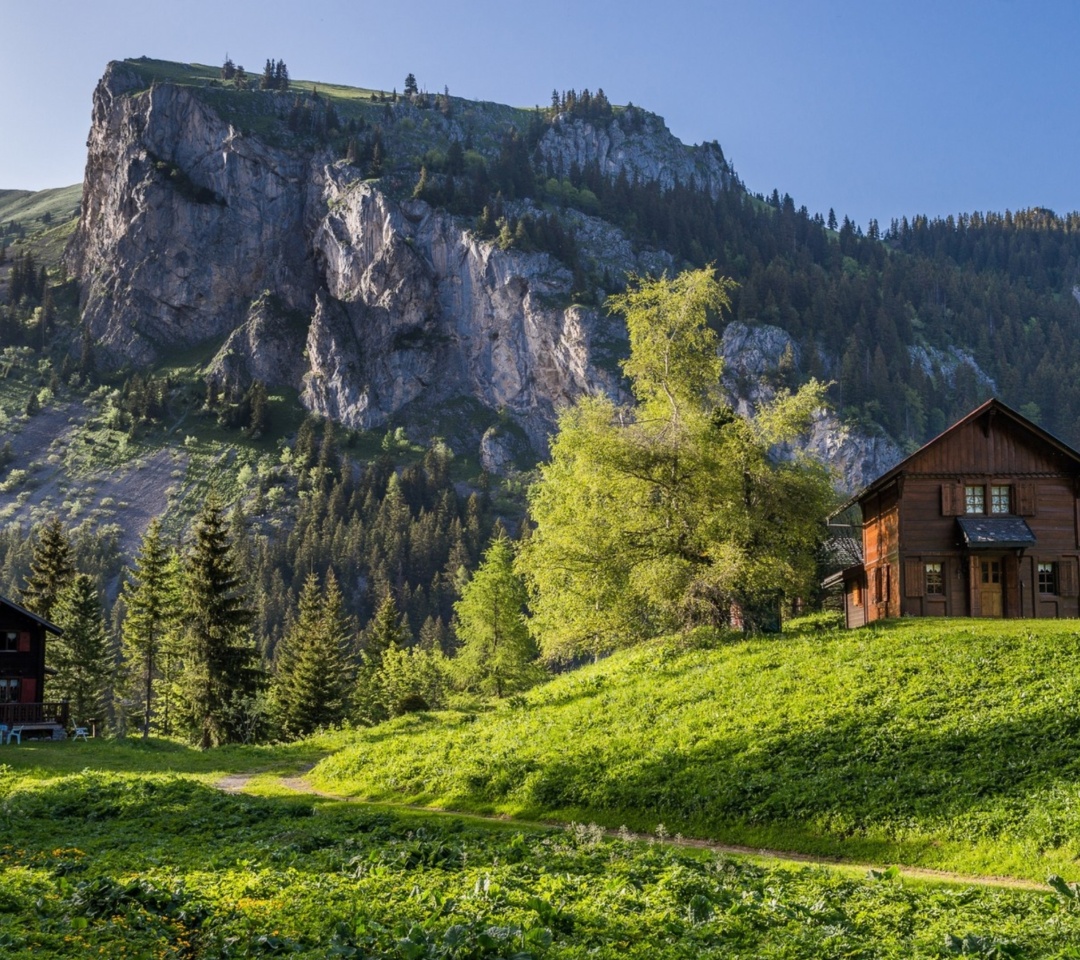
(314, 673)
(221, 675)
(80, 656)
(497, 653)
(51, 569)
(151, 601)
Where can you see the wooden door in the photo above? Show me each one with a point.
(991, 585)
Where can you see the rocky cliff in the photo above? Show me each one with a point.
(304, 274)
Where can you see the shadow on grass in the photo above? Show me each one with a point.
(867, 780)
(157, 755)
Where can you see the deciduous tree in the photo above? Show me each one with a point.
(670, 513)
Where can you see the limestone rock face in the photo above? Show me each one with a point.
(643, 148)
(304, 275)
(184, 222)
(754, 357)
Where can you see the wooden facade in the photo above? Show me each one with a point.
(22, 664)
(983, 521)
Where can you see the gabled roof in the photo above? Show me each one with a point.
(47, 624)
(993, 404)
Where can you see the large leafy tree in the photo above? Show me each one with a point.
(152, 603)
(315, 673)
(221, 674)
(675, 511)
(81, 655)
(51, 569)
(497, 653)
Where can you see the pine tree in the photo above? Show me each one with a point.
(151, 600)
(51, 569)
(267, 81)
(80, 656)
(411, 88)
(831, 222)
(497, 654)
(314, 673)
(221, 675)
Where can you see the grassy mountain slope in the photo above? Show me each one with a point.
(942, 744)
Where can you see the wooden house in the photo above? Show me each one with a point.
(983, 521)
(22, 672)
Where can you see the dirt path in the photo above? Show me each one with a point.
(236, 783)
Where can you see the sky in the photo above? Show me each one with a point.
(875, 108)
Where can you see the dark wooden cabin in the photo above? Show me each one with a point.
(22, 671)
(983, 521)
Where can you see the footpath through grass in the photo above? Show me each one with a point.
(951, 745)
(139, 862)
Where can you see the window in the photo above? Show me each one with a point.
(856, 594)
(9, 690)
(935, 580)
(1048, 578)
(975, 499)
(1001, 499)
(9, 641)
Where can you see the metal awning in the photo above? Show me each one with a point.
(996, 533)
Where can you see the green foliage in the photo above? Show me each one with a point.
(945, 744)
(220, 672)
(81, 656)
(161, 865)
(497, 653)
(676, 512)
(51, 569)
(411, 679)
(314, 673)
(149, 639)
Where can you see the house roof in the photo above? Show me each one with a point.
(1003, 533)
(47, 624)
(992, 404)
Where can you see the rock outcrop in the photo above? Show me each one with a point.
(303, 274)
(757, 359)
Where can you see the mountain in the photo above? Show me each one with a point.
(392, 259)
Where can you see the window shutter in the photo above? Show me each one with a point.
(914, 578)
(1026, 499)
(24, 642)
(1067, 581)
(28, 691)
(952, 499)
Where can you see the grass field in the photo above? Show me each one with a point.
(124, 849)
(949, 745)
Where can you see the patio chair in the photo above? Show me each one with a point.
(3, 734)
(80, 734)
(16, 732)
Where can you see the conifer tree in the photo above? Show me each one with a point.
(150, 597)
(51, 569)
(497, 653)
(221, 675)
(80, 656)
(314, 673)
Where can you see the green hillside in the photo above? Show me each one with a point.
(40, 221)
(951, 745)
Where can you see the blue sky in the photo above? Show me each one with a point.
(876, 108)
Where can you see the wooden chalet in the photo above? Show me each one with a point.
(983, 521)
(22, 673)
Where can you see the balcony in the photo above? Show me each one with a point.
(31, 714)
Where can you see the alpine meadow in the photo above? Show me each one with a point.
(432, 529)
